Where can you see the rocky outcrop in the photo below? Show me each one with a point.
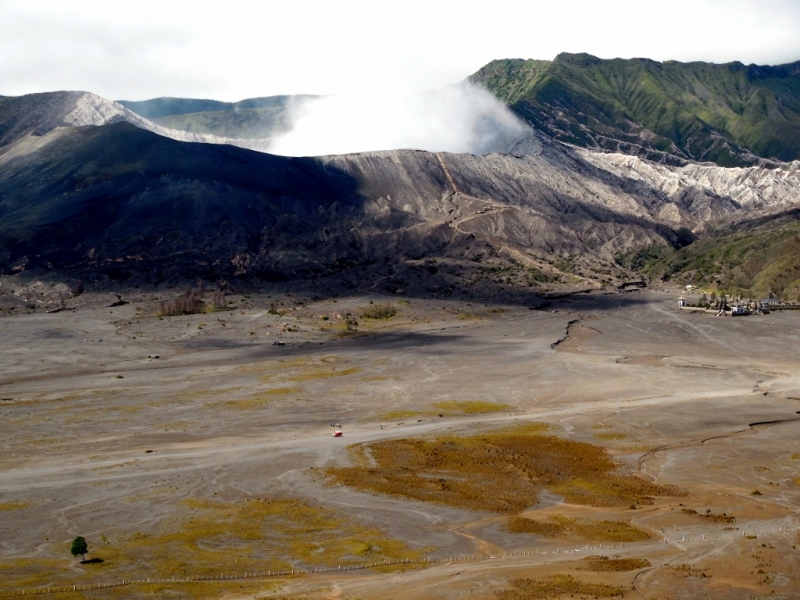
(738, 192)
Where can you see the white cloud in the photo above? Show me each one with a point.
(245, 48)
(458, 118)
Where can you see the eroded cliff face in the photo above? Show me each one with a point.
(749, 189)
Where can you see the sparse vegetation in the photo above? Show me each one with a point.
(450, 408)
(689, 572)
(379, 311)
(395, 415)
(471, 407)
(191, 303)
(605, 564)
(208, 538)
(501, 471)
(557, 586)
(559, 525)
(610, 436)
(709, 516)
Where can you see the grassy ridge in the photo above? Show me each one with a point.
(251, 118)
(698, 111)
(158, 108)
(753, 261)
(247, 123)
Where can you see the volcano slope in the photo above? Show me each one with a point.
(116, 203)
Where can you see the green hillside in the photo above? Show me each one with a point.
(251, 118)
(239, 123)
(754, 258)
(668, 111)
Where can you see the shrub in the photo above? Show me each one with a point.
(191, 303)
(379, 311)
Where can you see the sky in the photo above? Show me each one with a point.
(239, 49)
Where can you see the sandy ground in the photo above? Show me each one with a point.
(93, 431)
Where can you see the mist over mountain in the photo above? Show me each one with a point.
(253, 118)
(671, 112)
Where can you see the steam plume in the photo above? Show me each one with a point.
(458, 118)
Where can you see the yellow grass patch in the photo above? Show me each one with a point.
(322, 374)
(264, 397)
(558, 525)
(557, 586)
(795, 456)
(501, 471)
(610, 436)
(6, 506)
(604, 564)
(394, 415)
(379, 311)
(466, 316)
(449, 408)
(471, 407)
(212, 538)
(378, 378)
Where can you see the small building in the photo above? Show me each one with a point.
(770, 302)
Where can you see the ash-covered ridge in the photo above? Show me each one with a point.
(119, 202)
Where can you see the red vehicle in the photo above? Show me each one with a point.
(337, 433)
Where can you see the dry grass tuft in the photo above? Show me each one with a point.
(618, 565)
(191, 303)
(610, 436)
(321, 374)
(265, 397)
(370, 378)
(534, 527)
(556, 586)
(601, 531)
(7, 506)
(379, 311)
(795, 456)
(500, 471)
(709, 516)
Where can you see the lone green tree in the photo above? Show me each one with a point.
(79, 547)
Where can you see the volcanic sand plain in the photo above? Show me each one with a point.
(218, 457)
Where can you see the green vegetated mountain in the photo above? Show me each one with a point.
(730, 114)
(754, 258)
(247, 119)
